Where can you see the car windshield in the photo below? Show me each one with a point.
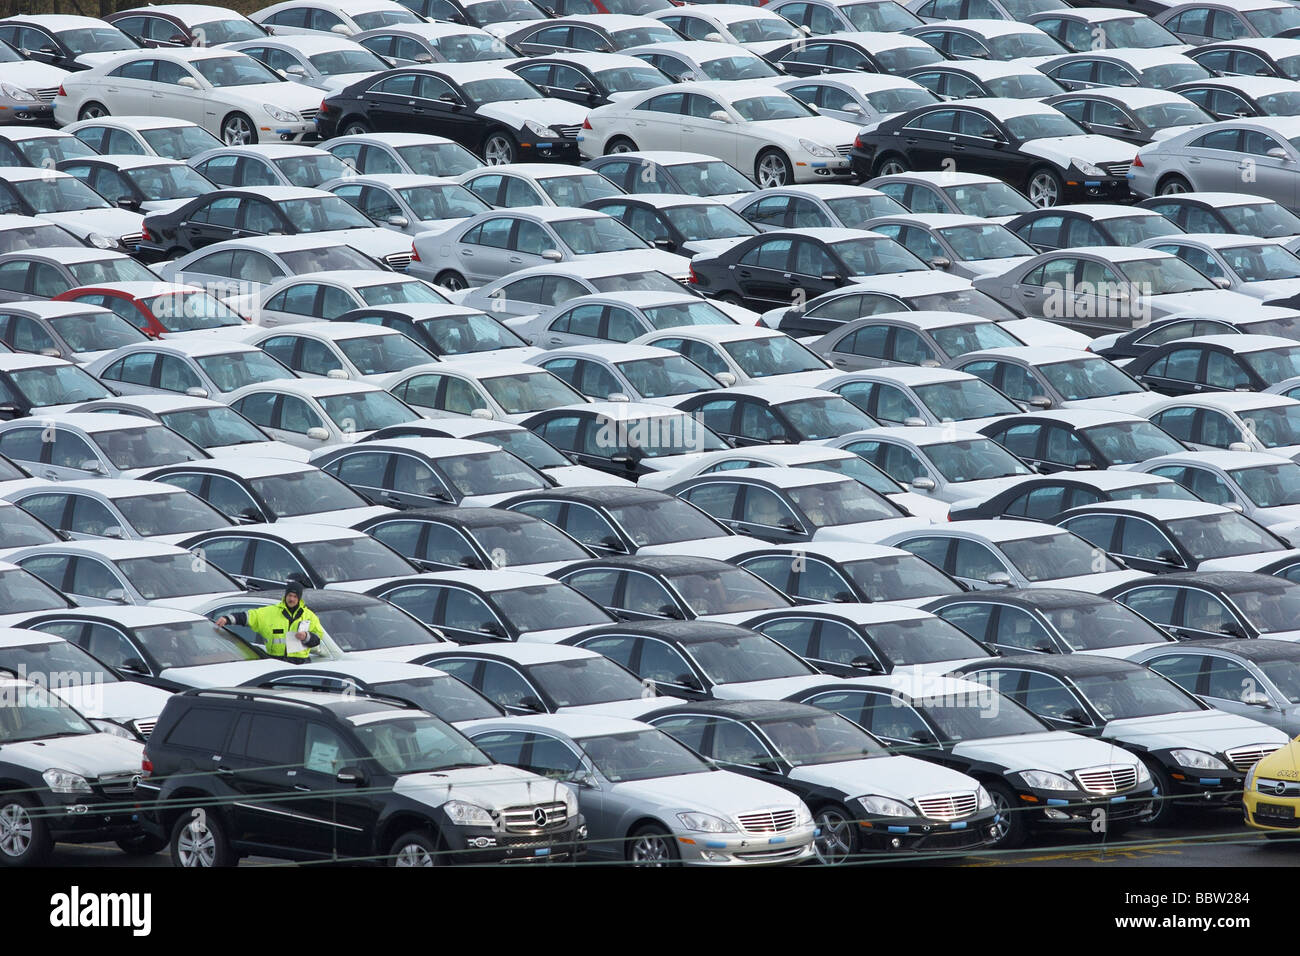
(870, 257)
(1088, 378)
(45, 151)
(642, 36)
(1274, 426)
(705, 179)
(311, 170)
(1287, 327)
(541, 607)
(1267, 220)
(526, 392)
(629, 79)
(304, 493)
(489, 473)
(500, 89)
(739, 66)
(169, 512)
(1272, 21)
(105, 39)
(237, 369)
(591, 235)
(146, 446)
(365, 411)
(213, 427)
(636, 282)
(577, 190)
(707, 222)
(323, 214)
(1269, 486)
(1259, 263)
(1090, 627)
(584, 681)
(767, 28)
(373, 626)
(56, 385)
(925, 640)
(416, 743)
(1286, 103)
(897, 101)
(1022, 86)
(325, 259)
(1168, 75)
(1125, 694)
(1135, 32)
(115, 269)
(353, 559)
(1051, 556)
(502, 11)
(1274, 365)
(985, 241)
(527, 446)
(95, 331)
(1130, 230)
(1271, 608)
(525, 541)
(29, 712)
(55, 664)
(860, 470)
(974, 459)
(59, 192)
(841, 502)
(664, 521)
(1012, 46)
(168, 182)
(384, 18)
(42, 236)
(1167, 490)
(806, 741)
(472, 48)
(982, 714)
(657, 377)
(769, 107)
(445, 697)
(1222, 536)
(179, 142)
(1126, 443)
(1168, 115)
(184, 311)
(772, 355)
(963, 399)
(901, 59)
(337, 62)
(957, 340)
(739, 658)
(1029, 126)
(656, 437)
(829, 417)
(464, 334)
(729, 591)
(21, 591)
(988, 199)
(641, 755)
(1285, 675)
(236, 70)
(1289, 67)
(162, 576)
(438, 159)
(970, 301)
(376, 354)
(678, 314)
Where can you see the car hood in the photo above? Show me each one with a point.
(670, 462)
(1124, 651)
(1248, 562)
(189, 602)
(869, 530)
(121, 700)
(921, 505)
(722, 548)
(646, 260)
(580, 476)
(163, 205)
(896, 776)
(710, 246)
(373, 240)
(554, 635)
(32, 76)
(504, 30)
(403, 652)
(1213, 731)
(1092, 583)
(1088, 147)
(1213, 303)
(1169, 132)
(1042, 332)
(1270, 289)
(774, 689)
(632, 709)
(810, 379)
(822, 130)
(1131, 402)
(1282, 514)
(106, 222)
(1058, 752)
(548, 112)
(344, 518)
(91, 755)
(261, 449)
(230, 674)
(721, 793)
(992, 267)
(494, 787)
(295, 97)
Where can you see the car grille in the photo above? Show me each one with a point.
(844, 150)
(772, 856)
(131, 238)
(1243, 758)
(47, 96)
(308, 116)
(1115, 169)
(767, 821)
(122, 785)
(398, 260)
(569, 132)
(145, 727)
(1107, 779)
(947, 806)
(523, 819)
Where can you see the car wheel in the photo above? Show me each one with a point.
(238, 130)
(1012, 828)
(620, 144)
(891, 164)
(1173, 186)
(652, 846)
(452, 281)
(145, 844)
(24, 835)
(837, 838)
(499, 149)
(1163, 808)
(415, 849)
(354, 126)
(772, 168)
(92, 111)
(199, 841)
(730, 298)
(1045, 188)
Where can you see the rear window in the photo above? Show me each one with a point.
(203, 728)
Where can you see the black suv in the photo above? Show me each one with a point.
(307, 775)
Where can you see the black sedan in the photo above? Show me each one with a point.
(580, 33)
(1215, 604)
(852, 53)
(675, 223)
(1043, 498)
(62, 41)
(487, 109)
(1240, 214)
(1140, 341)
(1111, 112)
(588, 79)
(1236, 97)
(1217, 363)
(1249, 57)
(762, 415)
(1080, 438)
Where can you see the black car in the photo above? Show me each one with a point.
(298, 777)
(849, 54)
(1224, 98)
(1106, 113)
(583, 81)
(670, 587)
(1245, 57)
(1216, 363)
(1160, 331)
(481, 15)
(673, 223)
(42, 42)
(293, 493)
(848, 573)
(171, 28)
(445, 539)
(1065, 227)
(583, 35)
(1043, 498)
(1048, 621)
(460, 101)
(1080, 439)
(990, 140)
(1214, 604)
(1247, 216)
(123, 187)
(761, 416)
(616, 519)
(695, 174)
(776, 269)
(519, 441)
(440, 329)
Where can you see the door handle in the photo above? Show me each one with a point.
(298, 786)
(1029, 293)
(51, 476)
(224, 770)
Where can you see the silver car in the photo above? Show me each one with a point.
(164, 136)
(242, 266)
(417, 153)
(116, 508)
(858, 97)
(407, 203)
(1257, 155)
(63, 447)
(619, 317)
(204, 367)
(815, 205)
(966, 246)
(638, 372)
(269, 164)
(325, 62)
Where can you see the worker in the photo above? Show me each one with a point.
(288, 623)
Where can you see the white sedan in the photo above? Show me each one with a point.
(750, 125)
(230, 94)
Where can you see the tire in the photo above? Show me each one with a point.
(143, 845)
(1013, 829)
(416, 848)
(451, 280)
(92, 110)
(354, 126)
(838, 839)
(652, 845)
(620, 144)
(238, 130)
(200, 842)
(1044, 188)
(1163, 808)
(24, 835)
(500, 148)
(730, 298)
(891, 164)
(772, 168)
(1173, 185)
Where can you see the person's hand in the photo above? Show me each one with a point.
(222, 621)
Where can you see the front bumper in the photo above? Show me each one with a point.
(91, 817)
(746, 849)
(479, 846)
(557, 150)
(28, 114)
(1080, 188)
(814, 170)
(1061, 808)
(920, 834)
(1213, 787)
(1265, 808)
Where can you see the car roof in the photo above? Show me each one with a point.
(1076, 417)
(247, 468)
(128, 615)
(91, 423)
(792, 477)
(1218, 458)
(1233, 401)
(745, 709)
(526, 652)
(294, 532)
(1159, 509)
(911, 375)
(1068, 665)
(1030, 354)
(997, 529)
(500, 579)
(1218, 199)
(111, 488)
(1242, 342)
(920, 435)
(1259, 649)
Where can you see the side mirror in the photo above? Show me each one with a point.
(1221, 282)
(117, 596)
(493, 628)
(999, 579)
(296, 70)
(530, 704)
(126, 202)
(1256, 699)
(553, 255)
(318, 434)
(336, 373)
(424, 58)
(1040, 401)
(1076, 717)
(843, 597)
(805, 29)
(611, 542)
(583, 88)
(9, 411)
(922, 737)
(941, 262)
(923, 484)
(913, 422)
(250, 516)
(342, 29)
(1277, 152)
(791, 526)
(718, 116)
(196, 392)
(1085, 464)
(351, 777)
(853, 108)
(832, 277)
(133, 666)
(114, 532)
(670, 611)
(1238, 446)
(93, 465)
(665, 243)
(189, 83)
(725, 379)
(1169, 556)
(401, 222)
(868, 665)
(689, 681)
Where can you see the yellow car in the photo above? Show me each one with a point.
(1271, 794)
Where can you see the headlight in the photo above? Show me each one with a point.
(809, 146)
(803, 816)
(537, 129)
(108, 727)
(982, 798)
(284, 116)
(467, 814)
(17, 93)
(885, 807)
(1249, 785)
(1087, 168)
(1043, 780)
(1144, 775)
(1197, 760)
(706, 823)
(101, 241)
(65, 781)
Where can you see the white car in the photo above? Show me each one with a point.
(1236, 421)
(313, 412)
(143, 184)
(484, 388)
(639, 373)
(197, 366)
(417, 153)
(268, 164)
(687, 60)
(538, 184)
(619, 317)
(750, 355)
(22, 592)
(324, 62)
(815, 205)
(231, 95)
(162, 136)
(914, 395)
(409, 44)
(862, 98)
(30, 87)
(1266, 488)
(84, 446)
(44, 385)
(239, 267)
(342, 18)
(750, 125)
(1260, 268)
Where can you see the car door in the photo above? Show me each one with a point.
(71, 458)
(504, 685)
(1014, 630)
(929, 139)
(979, 566)
(1177, 372)
(763, 273)
(167, 97)
(262, 766)
(483, 252)
(127, 89)
(728, 140)
(1271, 167)
(764, 514)
(94, 582)
(1213, 161)
(212, 221)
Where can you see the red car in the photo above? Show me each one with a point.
(157, 308)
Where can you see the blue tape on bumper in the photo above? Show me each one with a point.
(1118, 799)
(959, 826)
(545, 851)
(715, 845)
(1209, 781)
(1053, 802)
(898, 829)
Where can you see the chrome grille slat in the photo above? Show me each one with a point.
(1107, 779)
(145, 727)
(569, 132)
(947, 806)
(521, 820)
(1115, 169)
(1243, 758)
(131, 238)
(767, 821)
(308, 115)
(398, 260)
(844, 150)
(47, 96)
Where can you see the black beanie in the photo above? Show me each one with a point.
(293, 587)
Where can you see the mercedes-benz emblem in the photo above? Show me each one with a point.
(540, 817)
